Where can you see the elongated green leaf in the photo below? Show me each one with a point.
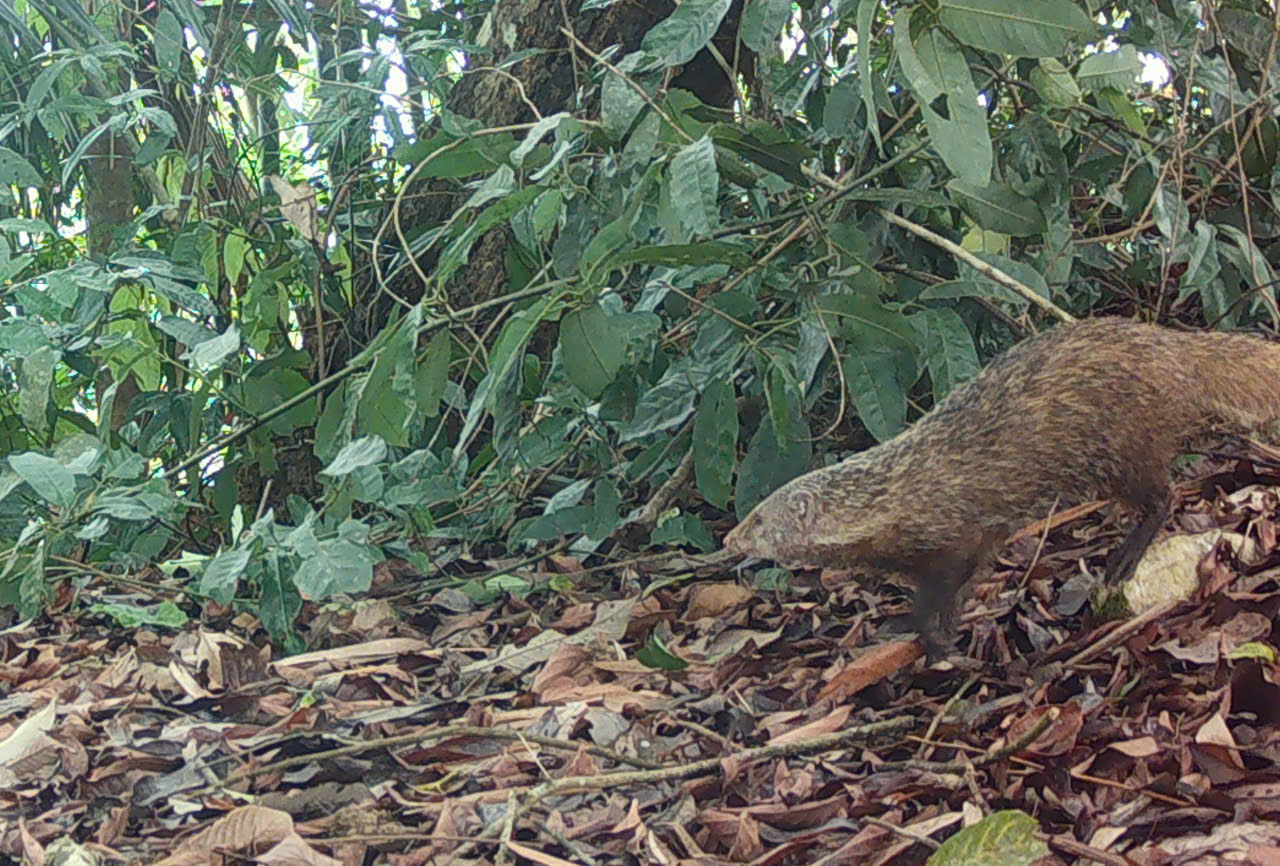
(997, 207)
(715, 442)
(936, 69)
(682, 34)
(866, 19)
(949, 349)
(433, 374)
(1022, 28)
(695, 185)
(52, 482)
(34, 387)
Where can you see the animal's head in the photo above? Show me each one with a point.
(812, 520)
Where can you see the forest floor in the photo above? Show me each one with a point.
(667, 711)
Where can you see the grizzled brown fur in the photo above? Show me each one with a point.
(1092, 410)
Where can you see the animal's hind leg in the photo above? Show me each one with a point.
(1124, 559)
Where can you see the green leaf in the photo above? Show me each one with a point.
(1054, 83)
(972, 288)
(1118, 104)
(936, 69)
(1117, 69)
(684, 255)
(433, 374)
(654, 654)
(620, 103)
(762, 22)
(222, 574)
(715, 442)
(234, 247)
(169, 45)
(866, 21)
(676, 530)
(768, 148)
(593, 349)
(949, 350)
(16, 171)
(695, 185)
(682, 34)
(539, 131)
(338, 566)
(21, 225)
(51, 481)
(768, 465)
(365, 451)
(1022, 28)
(997, 207)
(35, 387)
(1006, 837)
(207, 354)
(880, 365)
(166, 614)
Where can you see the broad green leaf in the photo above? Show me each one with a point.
(936, 69)
(655, 654)
(715, 442)
(604, 511)
(1117, 69)
(365, 451)
(1006, 837)
(880, 365)
(279, 603)
(34, 387)
(21, 225)
(998, 208)
(170, 45)
(1054, 83)
(210, 353)
(338, 567)
(593, 349)
(222, 574)
(695, 185)
(619, 101)
(762, 22)
(949, 349)
(682, 34)
(16, 171)
(185, 331)
(51, 481)
(1021, 28)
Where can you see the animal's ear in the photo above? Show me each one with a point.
(803, 502)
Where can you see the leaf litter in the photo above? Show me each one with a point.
(434, 730)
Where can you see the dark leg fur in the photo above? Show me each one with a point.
(1124, 559)
(942, 577)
